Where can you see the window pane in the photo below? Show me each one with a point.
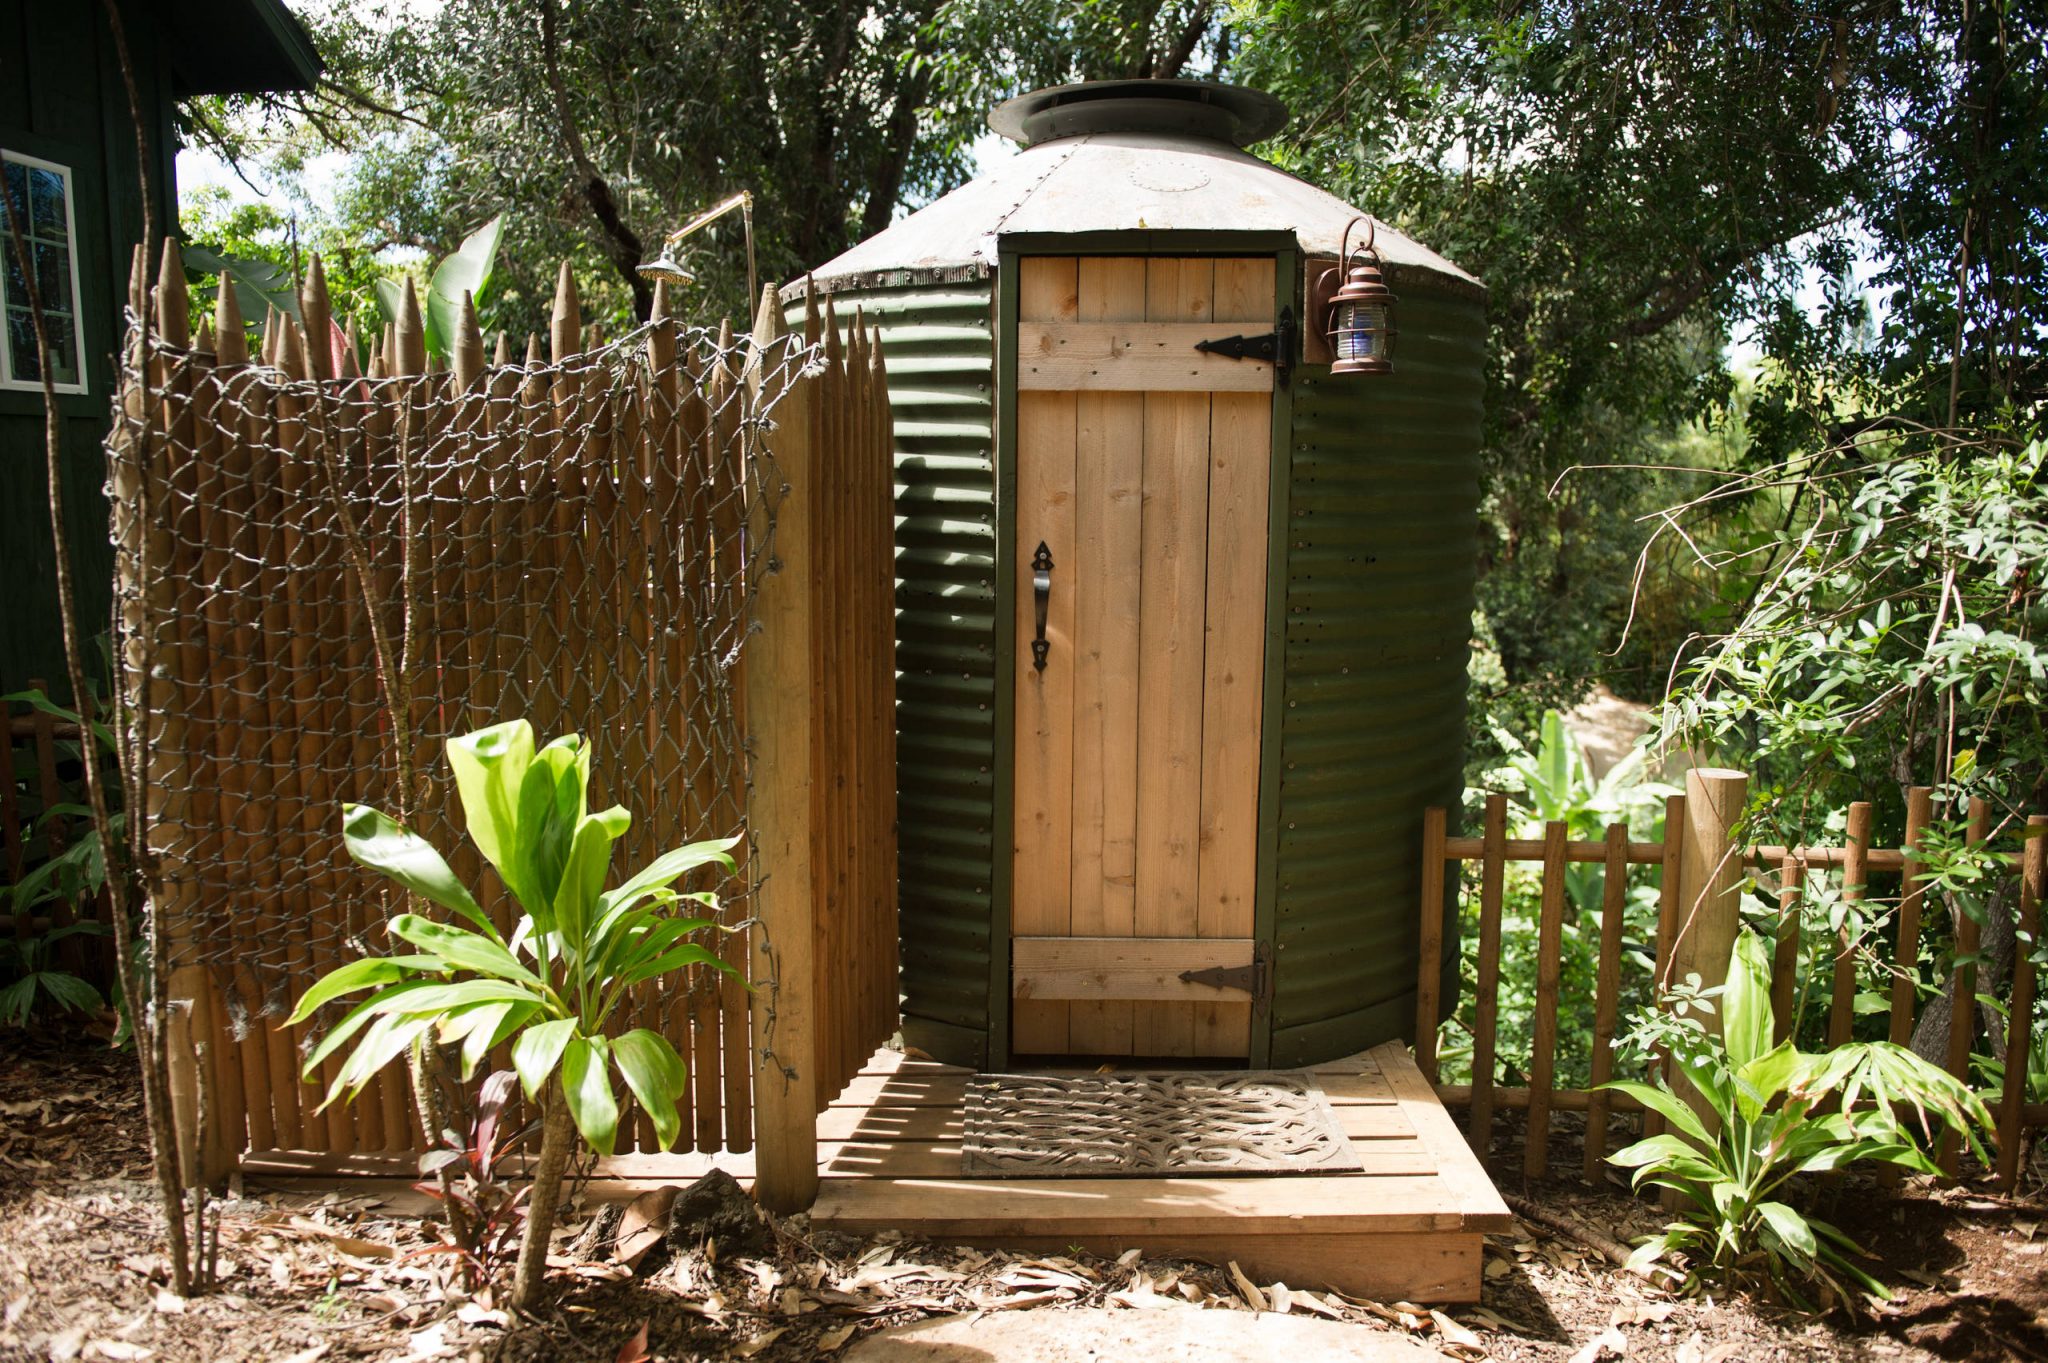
(21, 344)
(48, 191)
(17, 188)
(63, 348)
(53, 276)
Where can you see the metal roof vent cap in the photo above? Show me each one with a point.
(1185, 108)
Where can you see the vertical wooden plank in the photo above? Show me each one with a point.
(1962, 1027)
(1855, 874)
(2020, 1016)
(1106, 577)
(1233, 653)
(1041, 878)
(1430, 957)
(778, 680)
(1549, 954)
(1667, 924)
(1912, 903)
(1486, 994)
(1710, 874)
(1785, 960)
(1607, 996)
(1170, 660)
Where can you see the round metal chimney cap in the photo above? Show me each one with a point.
(1191, 108)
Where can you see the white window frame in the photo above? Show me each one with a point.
(7, 380)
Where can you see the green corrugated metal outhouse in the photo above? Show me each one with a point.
(1182, 633)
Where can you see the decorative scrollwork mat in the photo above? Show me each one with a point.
(1132, 1125)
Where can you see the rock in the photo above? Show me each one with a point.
(1183, 1336)
(717, 1208)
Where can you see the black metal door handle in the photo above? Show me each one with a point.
(1041, 590)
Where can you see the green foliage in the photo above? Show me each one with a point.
(467, 270)
(1777, 1113)
(27, 959)
(1553, 782)
(551, 988)
(1894, 642)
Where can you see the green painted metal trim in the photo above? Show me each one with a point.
(1142, 243)
(1266, 872)
(1003, 833)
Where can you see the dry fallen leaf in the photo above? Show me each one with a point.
(833, 1338)
(1640, 1313)
(642, 1225)
(118, 1350)
(1246, 1288)
(312, 1354)
(170, 1303)
(759, 1342)
(634, 1350)
(1609, 1343)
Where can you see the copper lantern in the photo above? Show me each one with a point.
(1361, 319)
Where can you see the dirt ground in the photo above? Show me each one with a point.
(82, 1274)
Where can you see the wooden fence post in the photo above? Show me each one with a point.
(1430, 958)
(2019, 1025)
(1710, 873)
(780, 726)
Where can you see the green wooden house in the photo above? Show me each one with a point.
(68, 149)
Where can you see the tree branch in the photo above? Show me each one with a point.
(624, 245)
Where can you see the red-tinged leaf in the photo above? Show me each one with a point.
(634, 1350)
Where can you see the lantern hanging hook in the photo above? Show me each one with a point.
(1368, 247)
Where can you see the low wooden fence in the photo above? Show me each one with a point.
(1700, 872)
(677, 545)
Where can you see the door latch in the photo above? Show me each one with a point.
(1275, 347)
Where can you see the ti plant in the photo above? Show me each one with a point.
(473, 1169)
(1775, 1112)
(552, 986)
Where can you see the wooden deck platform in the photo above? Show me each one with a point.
(1406, 1228)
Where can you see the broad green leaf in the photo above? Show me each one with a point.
(1673, 1109)
(1654, 1150)
(468, 269)
(551, 804)
(1758, 1083)
(537, 1051)
(384, 1003)
(489, 765)
(664, 870)
(364, 974)
(259, 285)
(587, 1084)
(378, 842)
(1746, 1001)
(689, 953)
(390, 297)
(656, 1075)
(438, 998)
(462, 950)
(1790, 1227)
(590, 857)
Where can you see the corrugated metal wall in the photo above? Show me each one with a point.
(1382, 547)
(1382, 543)
(937, 341)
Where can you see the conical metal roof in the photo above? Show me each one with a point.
(1136, 179)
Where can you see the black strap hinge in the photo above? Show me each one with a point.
(1275, 347)
(1255, 978)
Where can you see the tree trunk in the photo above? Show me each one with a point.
(557, 1140)
(1995, 952)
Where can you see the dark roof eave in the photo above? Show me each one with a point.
(272, 52)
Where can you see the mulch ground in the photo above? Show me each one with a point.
(82, 1273)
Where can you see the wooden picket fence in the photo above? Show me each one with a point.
(618, 541)
(1700, 875)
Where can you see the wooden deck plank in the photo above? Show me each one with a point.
(1359, 1121)
(940, 1090)
(1434, 1266)
(890, 1159)
(944, 1208)
(1458, 1167)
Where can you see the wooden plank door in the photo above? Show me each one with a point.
(1142, 466)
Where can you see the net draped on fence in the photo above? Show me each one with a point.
(574, 542)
